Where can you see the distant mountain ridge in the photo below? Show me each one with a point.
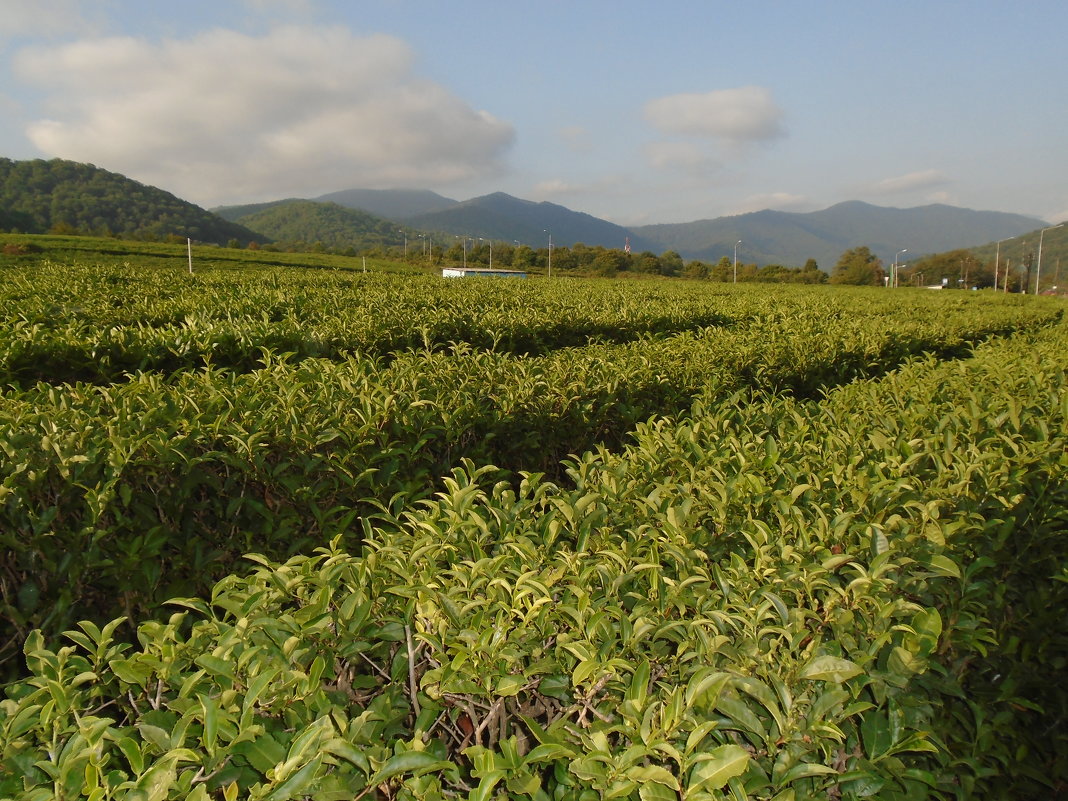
(504, 217)
(315, 223)
(392, 204)
(767, 237)
(37, 196)
(780, 237)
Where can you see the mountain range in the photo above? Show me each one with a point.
(38, 196)
(779, 237)
(767, 237)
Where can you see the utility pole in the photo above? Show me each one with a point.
(1038, 267)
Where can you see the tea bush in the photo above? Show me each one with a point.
(98, 323)
(768, 597)
(117, 497)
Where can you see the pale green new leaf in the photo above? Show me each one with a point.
(717, 767)
(830, 668)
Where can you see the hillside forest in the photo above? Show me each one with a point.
(65, 197)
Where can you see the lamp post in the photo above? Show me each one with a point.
(490, 241)
(550, 233)
(997, 261)
(1038, 266)
(893, 277)
(736, 244)
(405, 242)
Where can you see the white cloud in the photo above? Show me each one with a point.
(910, 182)
(684, 156)
(733, 116)
(225, 116)
(41, 17)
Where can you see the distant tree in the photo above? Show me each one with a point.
(858, 266)
(646, 262)
(563, 258)
(503, 254)
(584, 254)
(774, 274)
(723, 270)
(811, 274)
(523, 257)
(478, 253)
(746, 272)
(696, 270)
(670, 263)
(455, 253)
(609, 262)
(62, 228)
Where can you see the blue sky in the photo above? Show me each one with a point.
(637, 112)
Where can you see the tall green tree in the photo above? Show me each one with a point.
(523, 257)
(860, 267)
(723, 270)
(609, 262)
(646, 262)
(670, 263)
(695, 269)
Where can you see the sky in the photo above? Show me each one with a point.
(633, 111)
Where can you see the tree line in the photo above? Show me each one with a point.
(590, 260)
(954, 269)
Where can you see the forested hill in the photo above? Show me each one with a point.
(309, 222)
(65, 196)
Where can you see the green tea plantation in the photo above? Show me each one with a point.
(308, 532)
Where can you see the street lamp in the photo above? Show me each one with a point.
(997, 262)
(490, 241)
(893, 277)
(405, 242)
(1038, 267)
(550, 233)
(736, 244)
